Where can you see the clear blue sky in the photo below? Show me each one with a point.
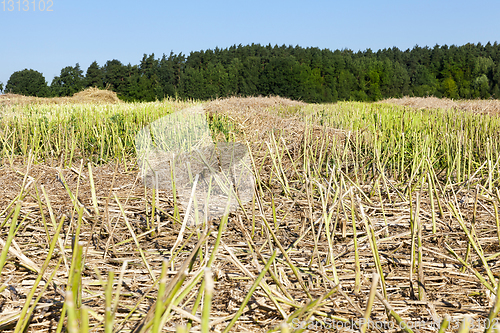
(84, 31)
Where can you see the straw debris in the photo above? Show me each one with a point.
(329, 213)
(90, 95)
(490, 106)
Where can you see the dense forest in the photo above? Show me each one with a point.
(308, 74)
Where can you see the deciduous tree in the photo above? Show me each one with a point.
(27, 82)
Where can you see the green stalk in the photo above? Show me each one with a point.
(383, 210)
(420, 277)
(393, 313)
(373, 245)
(21, 325)
(118, 291)
(153, 204)
(253, 249)
(357, 279)
(159, 306)
(40, 206)
(474, 271)
(369, 303)
(431, 199)
(473, 243)
(284, 328)
(497, 219)
(197, 302)
(135, 238)
(465, 325)
(472, 228)
(310, 309)
(207, 302)
(264, 285)
(444, 324)
(73, 326)
(108, 317)
(92, 189)
(170, 297)
(10, 236)
(250, 292)
(181, 329)
(84, 320)
(327, 216)
(434, 181)
(75, 280)
(287, 258)
(54, 224)
(492, 315)
(171, 289)
(201, 290)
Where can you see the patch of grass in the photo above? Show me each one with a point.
(222, 127)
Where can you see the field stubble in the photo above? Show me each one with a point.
(346, 194)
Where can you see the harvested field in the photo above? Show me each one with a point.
(345, 195)
(491, 106)
(89, 95)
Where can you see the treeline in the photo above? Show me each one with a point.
(308, 74)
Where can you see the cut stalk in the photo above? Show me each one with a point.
(369, 303)
(251, 291)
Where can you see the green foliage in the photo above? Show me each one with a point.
(496, 75)
(115, 76)
(481, 86)
(69, 82)
(483, 66)
(221, 127)
(449, 88)
(27, 82)
(308, 74)
(496, 92)
(94, 76)
(193, 84)
(374, 85)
